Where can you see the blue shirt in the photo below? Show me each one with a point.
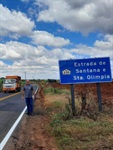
(28, 90)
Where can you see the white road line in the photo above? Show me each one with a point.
(4, 141)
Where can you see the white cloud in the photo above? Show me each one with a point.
(100, 49)
(106, 44)
(2, 64)
(13, 22)
(17, 51)
(45, 38)
(30, 59)
(39, 62)
(84, 16)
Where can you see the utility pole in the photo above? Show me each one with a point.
(25, 76)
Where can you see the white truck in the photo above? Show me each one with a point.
(12, 83)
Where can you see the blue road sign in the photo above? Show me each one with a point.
(92, 70)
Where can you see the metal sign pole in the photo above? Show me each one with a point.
(99, 97)
(72, 99)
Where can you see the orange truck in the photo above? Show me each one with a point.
(12, 83)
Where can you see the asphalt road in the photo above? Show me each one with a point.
(10, 109)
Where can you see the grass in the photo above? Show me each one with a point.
(72, 133)
(56, 91)
(83, 134)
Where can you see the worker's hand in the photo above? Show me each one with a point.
(22, 97)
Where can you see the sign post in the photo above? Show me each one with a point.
(80, 71)
(99, 97)
(73, 99)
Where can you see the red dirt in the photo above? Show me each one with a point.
(106, 90)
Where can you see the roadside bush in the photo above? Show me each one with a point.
(65, 114)
(56, 91)
(22, 83)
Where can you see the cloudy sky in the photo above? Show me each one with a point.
(36, 34)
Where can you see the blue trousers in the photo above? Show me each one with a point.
(29, 103)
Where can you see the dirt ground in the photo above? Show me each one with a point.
(105, 88)
(32, 134)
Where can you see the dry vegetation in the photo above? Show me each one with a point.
(88, 129)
